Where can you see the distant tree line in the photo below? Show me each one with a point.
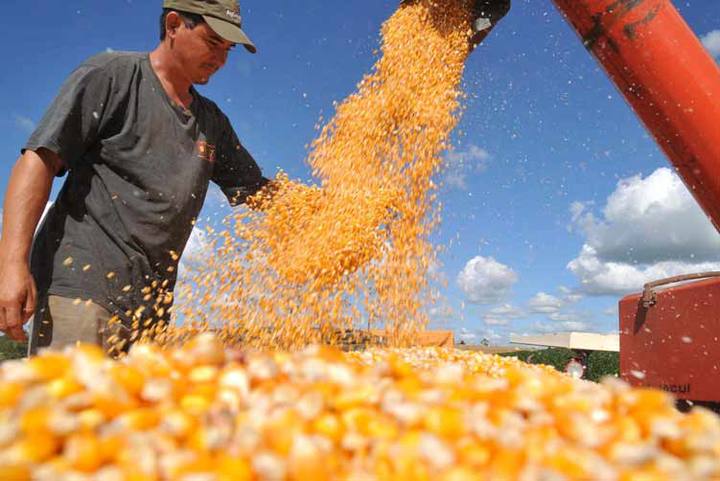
(10, 349)
(600, 364)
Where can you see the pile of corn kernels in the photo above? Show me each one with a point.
(204, 413)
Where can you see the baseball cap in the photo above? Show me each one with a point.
(223, 16)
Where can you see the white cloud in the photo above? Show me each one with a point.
(651, 220)
(436, 273)
(611, 311)
(561, 326)
(456, 179)
(506, 310)
(711, 41)
(25, 124)
(545, 303)
(502, 315)
(569, 316)
(599, 277)
(486, 281)
(555, 308)
(467, 336)
(491, 335)
(459, 163)
(560, 316)
(570, 296)
(574, 326)
(441, 312)
(650, 228)
(496, 321)
(479, 336)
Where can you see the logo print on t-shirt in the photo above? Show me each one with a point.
(206, 151)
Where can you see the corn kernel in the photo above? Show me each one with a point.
(10, 393)
(84, 452)
(129, 378)
(15, 473)
(234, 469)
(38, 448)
(303, 272)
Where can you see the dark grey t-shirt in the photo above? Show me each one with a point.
(138, 172)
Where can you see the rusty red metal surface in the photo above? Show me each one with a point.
(667, 76)
(670, 339)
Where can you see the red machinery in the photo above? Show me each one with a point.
(669, 335)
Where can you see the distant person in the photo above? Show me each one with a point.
(140, 146)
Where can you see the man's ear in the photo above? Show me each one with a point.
(173, 21)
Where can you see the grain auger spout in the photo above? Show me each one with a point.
(668, 78)
(486, 15)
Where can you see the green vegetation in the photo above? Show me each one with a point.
(599, 365)
(11, 350)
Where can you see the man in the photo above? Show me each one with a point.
(140, 146)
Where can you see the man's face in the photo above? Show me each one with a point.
(200, 51)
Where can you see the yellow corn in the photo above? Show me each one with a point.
(83, 452)
(15, 473)
(510, 421)
(316, 259)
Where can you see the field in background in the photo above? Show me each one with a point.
(490, 349)
(600, 364)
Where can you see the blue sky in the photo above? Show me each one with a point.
(556, 200)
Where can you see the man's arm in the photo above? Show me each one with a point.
(262, 199)
(27, 194)
(235, 171)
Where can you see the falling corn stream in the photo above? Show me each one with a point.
(353, 251)
(266, 395)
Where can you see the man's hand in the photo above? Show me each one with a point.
(17, 297)
(27, 193)
(263, 198)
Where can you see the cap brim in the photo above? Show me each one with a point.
(230, 32)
